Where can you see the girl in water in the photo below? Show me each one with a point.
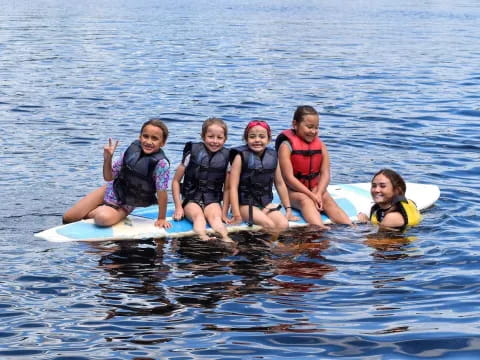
(391, 209)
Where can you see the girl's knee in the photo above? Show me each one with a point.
(67, 218)
(327, 199)
(274, 226)
(282, 224)
(306, 203)
(102, 219)
(213, 216)
(108, 217)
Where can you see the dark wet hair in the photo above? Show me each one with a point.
(214, 121)
(158, 123)
(397, 181)
(302, 111)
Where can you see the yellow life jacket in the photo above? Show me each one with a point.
(407, 208)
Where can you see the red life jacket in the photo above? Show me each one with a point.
(306, 157)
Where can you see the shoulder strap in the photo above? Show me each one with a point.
(186, 150)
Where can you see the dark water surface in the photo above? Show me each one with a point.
(397, 85)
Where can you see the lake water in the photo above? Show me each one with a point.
(397, 85)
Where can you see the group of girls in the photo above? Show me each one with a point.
(211, 182)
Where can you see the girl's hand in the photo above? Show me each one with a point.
(163, 223)
(178, 214)
(362, 218)
(110, 148)
(226, 219)
(290, 216)
(236, 219)
(317, 200)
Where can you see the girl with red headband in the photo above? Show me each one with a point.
(305, 167)
(253, 173)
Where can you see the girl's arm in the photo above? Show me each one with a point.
(324, 176)
(226, 199)
(178, 214)
(234, 180)
(108, 151)
(392, 219)
(283, 193)
(161, 177)
(162, 197)
(363, 218)
(284, 154)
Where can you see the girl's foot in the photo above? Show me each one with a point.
(228, 239)
(322, 227)
(207, 238)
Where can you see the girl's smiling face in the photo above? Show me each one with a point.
(382, 190)
(257, 139)
(307, 129)
(151, 139)
(214, 138)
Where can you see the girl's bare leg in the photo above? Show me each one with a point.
(280, 221)
(334, 212)
(107, 216)
(309, 211)
(194, 213)
(259, 218)
(213, 214)
(83, 208)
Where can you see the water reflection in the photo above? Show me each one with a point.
(390, 246)
(414, 104)
(136, 270)
(203, 274)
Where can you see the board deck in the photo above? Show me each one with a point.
(352, 198)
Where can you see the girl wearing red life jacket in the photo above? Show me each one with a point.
(305, 167)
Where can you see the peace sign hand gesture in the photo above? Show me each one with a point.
(109, 149)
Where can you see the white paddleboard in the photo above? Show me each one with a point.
(352, 198)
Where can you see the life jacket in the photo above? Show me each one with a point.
(306, 157)
(135, 184)
(407, 208)
(257, 176)
(205, 173)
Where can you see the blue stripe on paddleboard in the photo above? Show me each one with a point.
(185, 225)
(180, 226)
(347, 206)
(151, 212)
(82, 230)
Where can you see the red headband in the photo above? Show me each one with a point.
(258, 123)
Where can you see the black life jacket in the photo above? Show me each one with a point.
(258, 174)
(134, 184)
(205, 174)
